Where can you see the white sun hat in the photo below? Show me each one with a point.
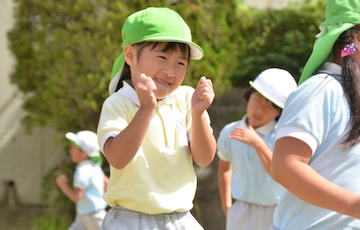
(86, 140)
(275, 84)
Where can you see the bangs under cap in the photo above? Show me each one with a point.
(153, 24)
(340, 15)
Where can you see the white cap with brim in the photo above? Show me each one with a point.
(275, 85)
(86, 140)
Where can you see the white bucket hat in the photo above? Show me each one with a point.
(86, 140)
(275, 84)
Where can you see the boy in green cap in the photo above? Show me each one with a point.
(152, 129)
(317, 149)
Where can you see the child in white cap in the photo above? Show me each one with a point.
(245, 148)
(89, 181)
(151, 128)
(317, 151)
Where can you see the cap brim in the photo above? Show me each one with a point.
(267, 96)
(196, 52)
(72, 138)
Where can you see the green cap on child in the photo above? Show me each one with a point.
(153, 24)
(340, 15)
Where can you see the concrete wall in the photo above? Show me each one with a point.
(24, 158)
(267, 4)
(270, 4)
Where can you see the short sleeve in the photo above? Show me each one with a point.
(113, 118)
(82, 178)
(312, 109)
(223, 143)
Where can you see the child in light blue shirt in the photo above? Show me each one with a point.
(317, 148)
(89, 181)
(245, 152)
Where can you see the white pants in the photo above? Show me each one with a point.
(246, 216)
(119, 218)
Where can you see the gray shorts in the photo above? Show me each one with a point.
(89, 221)
(242, 215)
(119, 218)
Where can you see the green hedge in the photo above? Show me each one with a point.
(65, 51)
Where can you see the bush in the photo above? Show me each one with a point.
(65, 51)
(277, 38)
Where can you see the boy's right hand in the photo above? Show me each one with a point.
(145, 89)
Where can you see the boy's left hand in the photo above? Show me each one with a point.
(203, 96)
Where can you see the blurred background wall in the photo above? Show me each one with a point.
(24, 157)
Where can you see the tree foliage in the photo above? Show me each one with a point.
(65, 50)
(277, 38)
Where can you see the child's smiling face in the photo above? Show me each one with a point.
(167, 67)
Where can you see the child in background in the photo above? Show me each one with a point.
(152, 129)
(245, 151)
(317, 149)
(89, 182)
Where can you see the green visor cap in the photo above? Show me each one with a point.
(340, 15)
(153, 24)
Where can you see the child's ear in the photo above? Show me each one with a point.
(129, 54)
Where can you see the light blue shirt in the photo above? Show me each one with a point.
(89, 177)
(318, 114)
(249, 180)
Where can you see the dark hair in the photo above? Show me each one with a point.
(351, 85)
(251, 90)
(170, 46)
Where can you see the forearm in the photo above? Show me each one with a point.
(250, 137)
(311, 187)
(224, 178)
(203, 143)
(265, 155)
(73, 195)
(120, 150)
(291, 169)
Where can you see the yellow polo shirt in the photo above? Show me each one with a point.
(161, 177)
